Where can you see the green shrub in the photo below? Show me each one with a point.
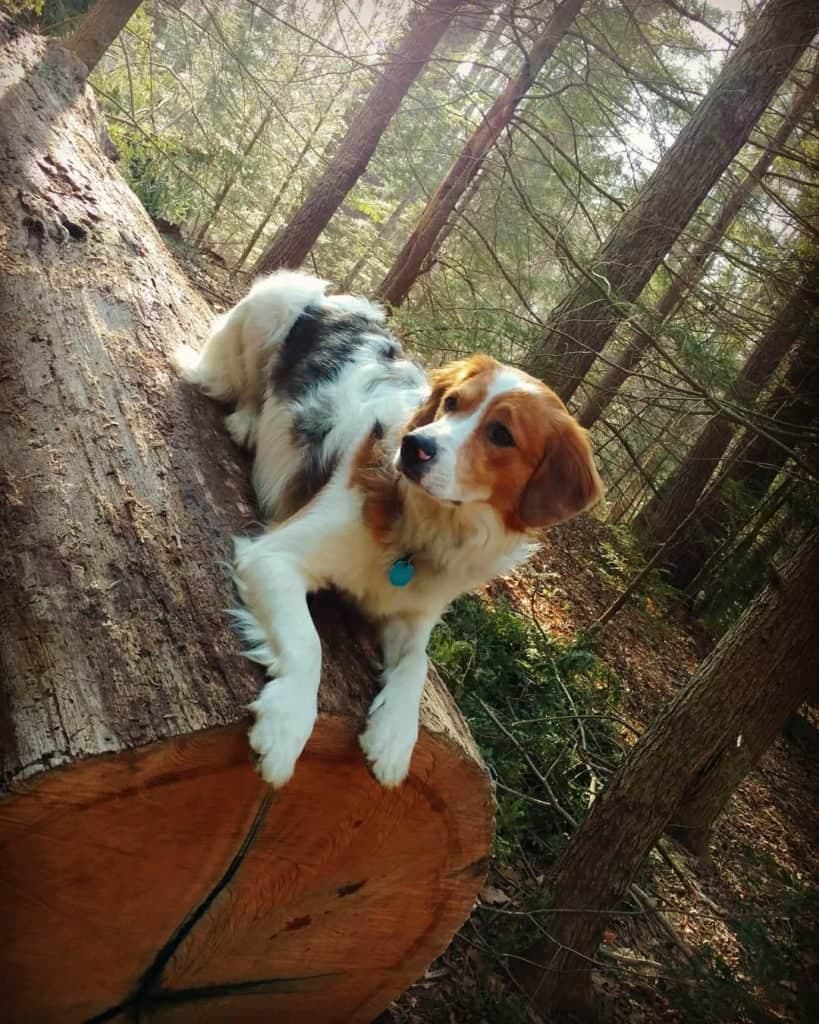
(540, 711)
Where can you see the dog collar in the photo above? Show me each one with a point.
(401, 571)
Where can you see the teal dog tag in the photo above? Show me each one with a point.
(401, 572)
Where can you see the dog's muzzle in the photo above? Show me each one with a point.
(417, 455)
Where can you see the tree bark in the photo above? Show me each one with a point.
(756, 729)
(291, 246)
(423, 241)
(147, 871)
(788, 414)
(579, 327)
(100, 26)
(640, 801)
(694, 266)
(679, 495)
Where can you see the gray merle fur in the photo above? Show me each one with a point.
(319, 345)
(316, 350)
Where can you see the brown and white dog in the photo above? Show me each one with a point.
(401, 490)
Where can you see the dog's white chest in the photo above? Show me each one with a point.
(364, 569)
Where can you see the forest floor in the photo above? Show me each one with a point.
(742, 945)
(733, 937)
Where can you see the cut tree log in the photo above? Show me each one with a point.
(147, 873)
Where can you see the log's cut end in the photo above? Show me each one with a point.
(171, 881)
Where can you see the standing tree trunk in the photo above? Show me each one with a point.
(695, 264)
(579, 327)
(291, 246)
(389, 228)
(641, 799)
(763, 719)
(146, 870)
(678, 496)
(755, 463)
(103, 22)
(423, 241)
(788, 416)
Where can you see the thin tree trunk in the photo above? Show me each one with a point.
(102, 23)
(390, 226)
(651, 463)
(579, 327)
(427, 25)
(734, 547)
(625, 822)
(755, 463)
(484, 77)
(694, 266)
(232, 178)
(274, 204)
(794, 406)
(147, 872)
(678, 496)
(385, 231)
(423, 241)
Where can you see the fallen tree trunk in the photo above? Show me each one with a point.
(146, 870)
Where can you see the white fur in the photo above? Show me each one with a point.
(328, 542)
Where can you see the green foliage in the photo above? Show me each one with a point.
(143, 167)
(59, 17)
(622, 556)
(552, 700)
(25, 8)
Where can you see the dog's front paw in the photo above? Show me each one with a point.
(389, 739)
(185, 360)
(243, 426)
(285, 713)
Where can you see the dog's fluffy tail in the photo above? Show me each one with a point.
(232, 366)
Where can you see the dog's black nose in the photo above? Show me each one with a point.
(417, 452)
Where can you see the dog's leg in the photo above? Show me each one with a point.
(274, 573)
(392, 726)
(243, 426)
(282, 637)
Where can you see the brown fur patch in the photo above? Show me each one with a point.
(374, 476)
(566, 480)
(303, 487)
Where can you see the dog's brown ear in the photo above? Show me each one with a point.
(565, 482)
(444, 379)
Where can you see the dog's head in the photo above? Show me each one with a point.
(491, 433)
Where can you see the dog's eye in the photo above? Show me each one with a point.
(500, 436)
(450, 403)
